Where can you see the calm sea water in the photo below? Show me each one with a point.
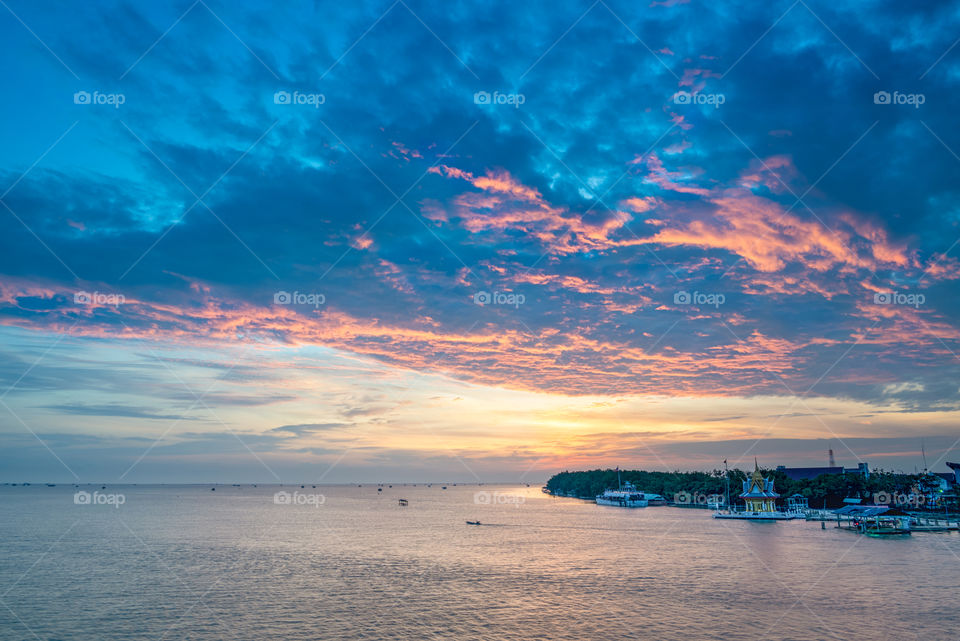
(175, 562)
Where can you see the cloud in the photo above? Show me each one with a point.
(599, 199)
(112, 409)
(305, 429)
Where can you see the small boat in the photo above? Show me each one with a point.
(402, 502)
(885, 527)
(473, 522)
(444, 487)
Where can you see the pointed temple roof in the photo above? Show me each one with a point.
(757, 487)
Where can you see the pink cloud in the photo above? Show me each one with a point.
(669, 180)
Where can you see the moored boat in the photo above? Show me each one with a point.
(880, 526)
(626, 495)
(654, 499)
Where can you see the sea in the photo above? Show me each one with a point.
(349, 562)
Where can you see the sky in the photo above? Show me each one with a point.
(413, 241)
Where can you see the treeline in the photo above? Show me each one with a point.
(826, 490)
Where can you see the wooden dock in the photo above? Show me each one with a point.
(917, 523)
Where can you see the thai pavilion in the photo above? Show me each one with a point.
(758, 493)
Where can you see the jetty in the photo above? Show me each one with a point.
(882, 519)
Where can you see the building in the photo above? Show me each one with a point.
(797, 503)
(758, 493)
(805, 473)
(956, 472)
(947, 480)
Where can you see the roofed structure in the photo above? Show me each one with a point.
(956, 471)
(758, 493)
(804, 473)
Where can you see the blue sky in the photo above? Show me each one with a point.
(251, 244)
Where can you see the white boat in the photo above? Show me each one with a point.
(654, 499)
(626, 496)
